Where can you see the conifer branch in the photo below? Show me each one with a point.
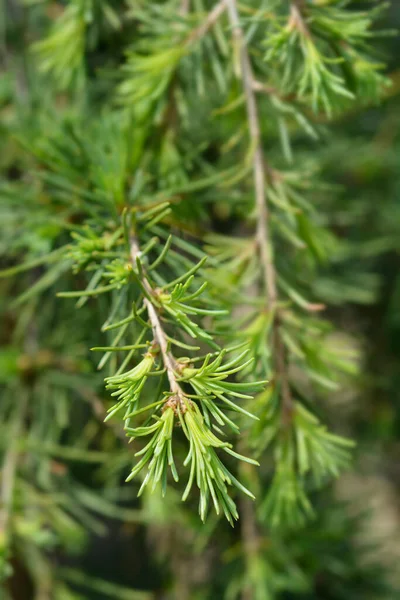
(263, 233)
(160, 337)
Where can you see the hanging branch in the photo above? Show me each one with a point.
(263, 232)
(209, 385)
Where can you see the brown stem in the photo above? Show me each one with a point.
(263, 232)
(210, 20)
(250, 535)
(159, 335)
(269, 90)
(158, 331)
(296, 20)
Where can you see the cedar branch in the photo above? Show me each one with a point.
(263, 232)
(159, 334)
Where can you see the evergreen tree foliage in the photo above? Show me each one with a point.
(179, 271)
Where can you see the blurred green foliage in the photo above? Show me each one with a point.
(118, 115)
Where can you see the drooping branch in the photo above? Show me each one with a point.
(249, 529)
(263, 231)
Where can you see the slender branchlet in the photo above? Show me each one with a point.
(296, 20)
(160, 338)
(249, 528)
(210, 20)
(264, 237)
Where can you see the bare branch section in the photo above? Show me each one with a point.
(264, 240)
(296, 18)
(263, 234)
(160, 338)
(209, 21)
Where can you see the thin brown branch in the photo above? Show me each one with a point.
(263, 232)
(178, 398)
(160, 337)
(269, 90)
(208, 23)
(296, 20)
